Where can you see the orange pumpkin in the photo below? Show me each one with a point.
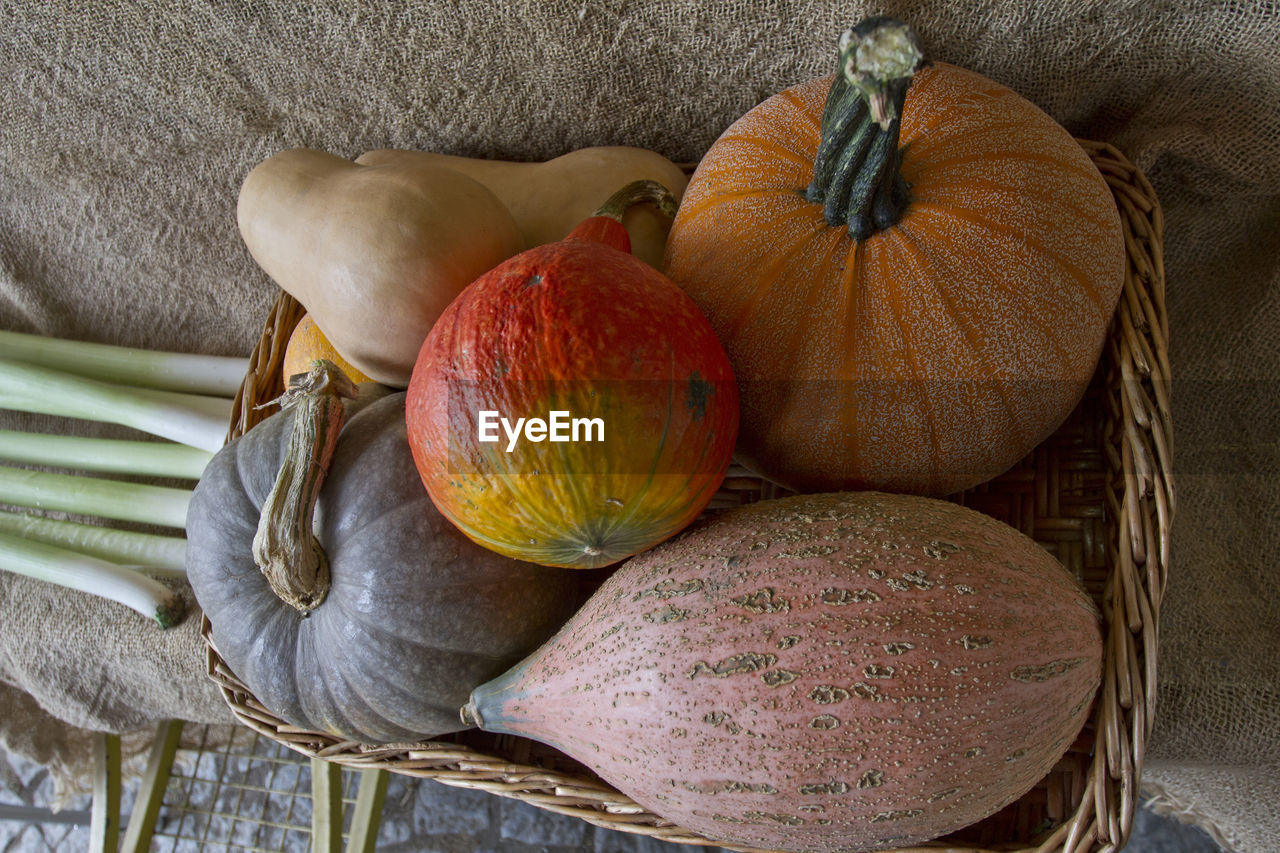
(308, 344)
(913, 289)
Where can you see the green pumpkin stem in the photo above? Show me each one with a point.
(284, 547)
(856, 174)
(638, 192)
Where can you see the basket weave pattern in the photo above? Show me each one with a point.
(1098, 495)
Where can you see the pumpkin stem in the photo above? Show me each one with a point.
(605, 225)
(638, 192)
(855, 172)
(284, 547)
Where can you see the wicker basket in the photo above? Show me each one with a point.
(1097, 494)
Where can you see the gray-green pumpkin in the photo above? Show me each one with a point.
(416, 615)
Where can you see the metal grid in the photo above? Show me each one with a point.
(239, 791)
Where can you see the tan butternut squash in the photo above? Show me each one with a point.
(548, 199)
(375, 252)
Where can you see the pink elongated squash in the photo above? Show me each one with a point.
(830, 672)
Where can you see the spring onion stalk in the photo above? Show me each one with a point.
(104, 455)
(122, 584)
(203, 408)
(216, 376)
(28, 387)
(118, 499)
(165, 556)
(186, 399)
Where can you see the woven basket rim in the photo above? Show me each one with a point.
(1138, 504)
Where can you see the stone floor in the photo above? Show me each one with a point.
(236, 791)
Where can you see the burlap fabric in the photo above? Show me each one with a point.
(126, 128)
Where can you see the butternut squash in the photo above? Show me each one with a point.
(375, 252)
(548, 199)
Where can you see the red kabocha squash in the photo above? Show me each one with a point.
(913, 286)
(572, 406)
(835, 672)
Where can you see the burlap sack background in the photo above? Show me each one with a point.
(126, 128)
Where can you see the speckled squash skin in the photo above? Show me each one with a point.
(416, 615)
(936, 353)
(579, 326)
(832, 672)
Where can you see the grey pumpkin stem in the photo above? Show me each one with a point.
(856, 170)
(285, 548)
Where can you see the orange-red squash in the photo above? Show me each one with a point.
(912, 300)
(647, 405)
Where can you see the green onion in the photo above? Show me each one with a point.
(161, 555)
(131, 588)
(118, 499)
(186, 399)
(198, 422)
(217, 376)
(106, 455)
